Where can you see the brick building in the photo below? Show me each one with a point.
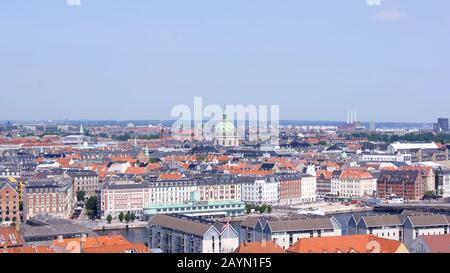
(408, 184)
(48, 196)
(9, 203)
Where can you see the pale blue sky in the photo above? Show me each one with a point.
(136, 59)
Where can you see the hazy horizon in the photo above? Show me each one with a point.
(135, 60)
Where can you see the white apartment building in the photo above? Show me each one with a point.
(308, 189)
(443, 185)
(117, 198)
(260, 190)
(383, 226)
(353, 183)
(416, 225)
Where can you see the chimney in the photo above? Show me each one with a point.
(82, 240)
(60, 239)
(263, 242)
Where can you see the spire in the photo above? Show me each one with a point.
(81, 130)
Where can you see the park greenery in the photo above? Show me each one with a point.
(81, 195)
(127, 217)
(258, 208)
(411, 137)
(91, 207)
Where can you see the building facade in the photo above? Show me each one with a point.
(173, 234)
(353, 183)
(290, 190)
(401, 183)
(286, 232)
(260, 190)
(9, 203)
(85, 181)
(49, 196)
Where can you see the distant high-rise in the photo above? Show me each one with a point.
(441, 125)
(373, 127)
(351, 117)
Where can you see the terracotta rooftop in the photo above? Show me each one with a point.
(437, 243)
(346, 244)
(259, 247)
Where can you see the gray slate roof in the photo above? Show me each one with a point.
(183, 225)
(301, 224)
(382, 220)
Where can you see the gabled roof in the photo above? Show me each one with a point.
(437, 243)
(399, 176)
(10, 237)
(382, 220)
(250, 221)
(259, 247)
(30, 249)
(428, 220)
(300, 224)
(183, 225)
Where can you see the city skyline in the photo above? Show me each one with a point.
(108, 61)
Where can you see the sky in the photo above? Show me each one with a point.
(137, 59)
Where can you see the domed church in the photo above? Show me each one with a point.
(225, 133)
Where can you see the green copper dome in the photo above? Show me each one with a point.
(224, 128)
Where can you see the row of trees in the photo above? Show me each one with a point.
(128, 217)
(411, 137)
(127, 137)
(258, 208)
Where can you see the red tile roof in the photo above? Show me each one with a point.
(346, 244)
(29, 249)
(437, 243)
(259, 247)
(10, 237)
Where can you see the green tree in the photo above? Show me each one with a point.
(1, 220)
(81, 195)
(153, 160)
(109, 218)
(21, 205)
(132, 217)
(121, 216)
(430, 193)
(269, 209)
(91, 206)
(263, 208)
(127, 217)
(248, 208)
